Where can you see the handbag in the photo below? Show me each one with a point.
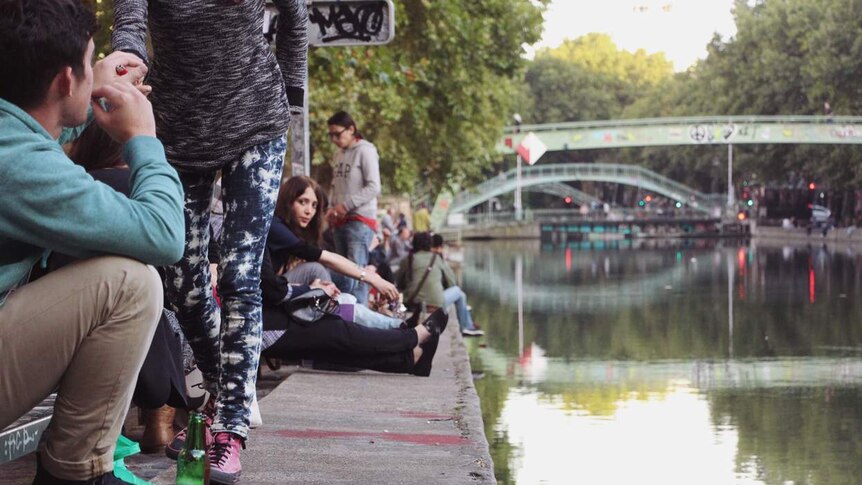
(311, 306)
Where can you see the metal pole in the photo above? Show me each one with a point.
(730, 277)
(299, 140)
(731, 197)
(519, 281)
(518, 188)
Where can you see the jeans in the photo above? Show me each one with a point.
(455, 295)
(363, 315)
(226, 340)
(352, 241)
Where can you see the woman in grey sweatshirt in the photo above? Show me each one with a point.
(355, 186)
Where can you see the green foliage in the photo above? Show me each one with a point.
(589, 78)
(434, 100)
(788, 57)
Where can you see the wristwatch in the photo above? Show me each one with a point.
(362, 276)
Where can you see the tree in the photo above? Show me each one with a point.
(435, 100)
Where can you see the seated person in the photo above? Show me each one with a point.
(293, 245)
(455, 295)
(399, 247)
(424, 276)
(86, 327)
(337, 341)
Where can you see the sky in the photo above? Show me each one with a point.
(679, 28)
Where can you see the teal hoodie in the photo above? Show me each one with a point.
(49, 203)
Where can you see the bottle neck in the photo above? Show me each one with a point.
(196, 432)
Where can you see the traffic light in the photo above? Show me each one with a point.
(811, 186)
(678, 205)
(568, 200)
(641, 203)
(742, 215)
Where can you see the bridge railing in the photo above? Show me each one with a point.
(574, 215)
(682, 120)
(610, 172)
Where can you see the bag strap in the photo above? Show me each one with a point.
(424, 277)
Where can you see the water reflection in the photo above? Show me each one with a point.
(689, 362)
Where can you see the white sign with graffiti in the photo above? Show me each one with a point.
(342, 22)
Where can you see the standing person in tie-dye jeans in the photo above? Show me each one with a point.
(222, 101)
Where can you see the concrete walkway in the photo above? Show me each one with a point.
(372, 428)
(358, 428)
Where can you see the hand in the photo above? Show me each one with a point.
(129, 115)
(339, 211)
(386, 289)
(328, 287)
(106, 71)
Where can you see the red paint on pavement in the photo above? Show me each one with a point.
(418, 439)
(411, 414)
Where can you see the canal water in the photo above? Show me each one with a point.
(672, 362)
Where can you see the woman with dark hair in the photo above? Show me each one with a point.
(297, 231)
(355, 186)
(331, 339)
(292, 246)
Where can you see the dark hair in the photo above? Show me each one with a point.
(344, 120)
(38, 38)
(436, 241)
(287, 195)
(421, 242)
(94, 149)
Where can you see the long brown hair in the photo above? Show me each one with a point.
(291, 190)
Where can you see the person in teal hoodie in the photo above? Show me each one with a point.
(84, 329)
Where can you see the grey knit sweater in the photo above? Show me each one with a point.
(217, 86)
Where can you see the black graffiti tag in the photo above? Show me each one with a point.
(345, 22)
(711, 133)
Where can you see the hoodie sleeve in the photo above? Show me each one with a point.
(59, 206)
(130, 27)
(291, 48)
(369, 166)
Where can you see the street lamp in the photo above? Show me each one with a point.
(518, 205)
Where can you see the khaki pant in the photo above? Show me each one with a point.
(85, 329)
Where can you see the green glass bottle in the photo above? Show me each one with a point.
(193, 466)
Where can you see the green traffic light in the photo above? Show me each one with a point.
(750, 203)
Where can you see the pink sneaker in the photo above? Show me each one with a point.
(176, 444)
(225, 467)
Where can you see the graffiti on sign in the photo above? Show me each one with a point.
(346, 22)
(341, 22)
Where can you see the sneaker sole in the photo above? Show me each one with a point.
(219, 478)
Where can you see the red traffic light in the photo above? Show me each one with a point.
(811, 186)
(568, 200)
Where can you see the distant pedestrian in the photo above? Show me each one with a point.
(422, 219)
(402, 221)
(355, 186)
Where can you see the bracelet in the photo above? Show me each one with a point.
(362, 276)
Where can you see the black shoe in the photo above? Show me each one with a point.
(422, 367)
(437, 321)
(412, 321)
(44, 477)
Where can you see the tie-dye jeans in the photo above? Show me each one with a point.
(226, 340)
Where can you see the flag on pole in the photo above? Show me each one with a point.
(531, 148)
